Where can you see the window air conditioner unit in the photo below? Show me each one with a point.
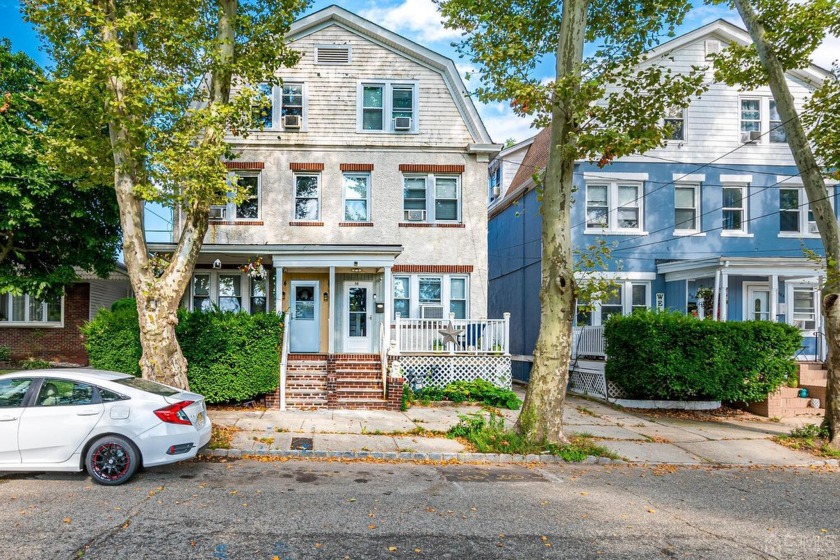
(431, 312)
(415, 215)
(496, 192)
(291, 121)
(217, 212)
(751, 137)
(402, 123)
(812, 227)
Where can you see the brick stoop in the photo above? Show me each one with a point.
(337, 381)
(786, 403)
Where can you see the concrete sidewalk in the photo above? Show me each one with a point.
(638, 438)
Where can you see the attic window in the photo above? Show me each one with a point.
(712, 47)
(332, 54)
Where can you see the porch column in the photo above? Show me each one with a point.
(774, 297)
(716, 301)
(388, 301)
(724, 294)
(331, 321)
(278, 289)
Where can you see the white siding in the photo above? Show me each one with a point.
(105, 292)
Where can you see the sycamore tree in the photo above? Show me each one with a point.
(600, 106)
(48, 227)
(785, 34)
(140, 98)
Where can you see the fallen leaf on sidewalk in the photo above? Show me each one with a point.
(67, 520)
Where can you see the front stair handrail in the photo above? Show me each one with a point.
(284, 359)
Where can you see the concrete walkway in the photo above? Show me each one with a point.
(638, 438)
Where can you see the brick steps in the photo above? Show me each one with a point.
(786, 402)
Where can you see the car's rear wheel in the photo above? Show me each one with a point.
(112, 460)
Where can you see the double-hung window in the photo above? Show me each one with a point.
(686, 208)
(307, 197)
(230, 292)
(263, 106)
(795, 215)
(248, 208)
(292, 105)
(675, 119)
(26, 310)
(387, 107)
(259, 295)
(777, 131)
(804, 305)
(734, 209)
(750, 120)
(433, 198)
(624, 298)
(356, 197)
(431, 296)
(614, 206)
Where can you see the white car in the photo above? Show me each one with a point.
(108, 423)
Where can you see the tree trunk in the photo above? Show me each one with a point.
(542, 412)
(817, 193)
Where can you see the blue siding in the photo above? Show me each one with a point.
(675, 296)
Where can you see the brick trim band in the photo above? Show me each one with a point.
(428, 168)
(245, 165)
(426, 225)
(356, 167)
(297, 166)
(316, 224)
(441, 268)
(237, 223)
(355, 224)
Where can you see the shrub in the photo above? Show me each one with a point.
(231, 356)
(5, 353)
(34, 363)
(676, 357)
(479, 390)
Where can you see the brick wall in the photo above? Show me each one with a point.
(395, 393)
(54, 344)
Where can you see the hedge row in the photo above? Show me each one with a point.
(677, 357)
(231, 356)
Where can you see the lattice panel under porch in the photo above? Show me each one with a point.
(439, 371)
(589, 383)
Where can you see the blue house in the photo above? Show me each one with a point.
(720, 207)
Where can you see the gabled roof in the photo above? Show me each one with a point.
(535, 160)
(335, 15)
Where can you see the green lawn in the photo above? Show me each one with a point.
(2, 371)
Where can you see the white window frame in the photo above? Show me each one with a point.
(744, 230)
(27, 323)
(762, 115)
(790, 288)
(387, 105)
(295, 197)
(697, 213)
(683, 111)
(344, 199)
(625, 293)
(613, 187)
(445, 292)
(410, 292)
(231, 207)
(802, 213)
(272, 94)
(770, 126)
(430, 180)
(244, 288)
(304, 108)
(764, 121)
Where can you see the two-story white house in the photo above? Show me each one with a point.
(368, 202)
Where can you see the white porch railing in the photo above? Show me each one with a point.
(474, 336)
(588, 341)
(284, 358)
(383, 358)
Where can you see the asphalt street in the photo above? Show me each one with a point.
(307, 509)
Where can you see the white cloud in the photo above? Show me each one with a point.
(418, 19)
(502, 124)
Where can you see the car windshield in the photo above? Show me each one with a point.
(148, 386)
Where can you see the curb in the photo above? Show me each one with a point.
(484, 458)
(403, 456)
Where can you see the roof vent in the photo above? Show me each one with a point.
(712, 47)
(332, 54)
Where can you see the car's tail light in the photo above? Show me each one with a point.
(174, 413)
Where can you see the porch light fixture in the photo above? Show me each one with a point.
(217, 264)
(355, 267)
(326, 296)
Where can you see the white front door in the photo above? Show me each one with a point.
(358, 316)
(758, 303)
(305, 319)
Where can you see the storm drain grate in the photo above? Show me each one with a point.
(301, 444)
